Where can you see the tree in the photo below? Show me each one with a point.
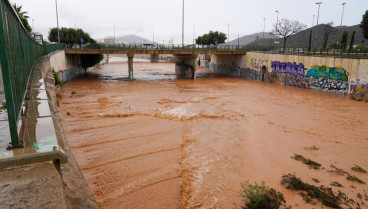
(70, 36)
(327, 30)
(310, 41)
(286, 28)
(210, 38)
(364, 25)
(352, 41)
(344, 40)
(23, 17)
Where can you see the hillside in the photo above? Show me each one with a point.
(245, 40)
(133, 39)
(301, 39)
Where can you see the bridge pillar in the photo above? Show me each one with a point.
(154, 57)
(130, 65)
(186, 66)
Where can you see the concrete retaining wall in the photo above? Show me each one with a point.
(332, 74)
(67, 66)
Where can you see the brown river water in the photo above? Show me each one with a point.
(162, 142)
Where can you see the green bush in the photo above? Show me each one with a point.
(57, 79)
(259, 196)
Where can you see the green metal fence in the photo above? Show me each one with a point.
(18, 54)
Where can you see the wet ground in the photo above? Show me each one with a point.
(162, 142)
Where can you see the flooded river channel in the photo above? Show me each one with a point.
(162, 142)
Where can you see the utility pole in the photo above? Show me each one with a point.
(238, 40)
(277, 22)
(343, 8)
(182, 33)
(313, 21)
(57, 20)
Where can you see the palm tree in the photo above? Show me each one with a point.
(23, 17)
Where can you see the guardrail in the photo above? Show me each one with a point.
(18, 53)
(363, 52)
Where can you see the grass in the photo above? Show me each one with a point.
(312, 148)
(337, 170)
(307, 161)
(255, 196)
(354, 179)
(336, 184)
(358, 169)
(315, 180)
(323, 194)
(57, 78)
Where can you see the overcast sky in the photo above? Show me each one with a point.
(139, 16)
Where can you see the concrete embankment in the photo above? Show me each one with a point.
(46, 184)
(340, 75)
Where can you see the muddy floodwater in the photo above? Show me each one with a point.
(162, 142)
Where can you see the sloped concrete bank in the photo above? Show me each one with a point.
(76, 190)
(341, 75)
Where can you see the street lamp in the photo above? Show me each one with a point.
(264, 26)
(57, 20)
(343, 8)
(315, 39)
(182, 33)
(319, 6)
(193, 34)
(313, 21)
(228, 32)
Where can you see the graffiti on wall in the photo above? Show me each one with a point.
(336, 73)
(287, 67)
(359, 90)
(66, 75)
(258, 63)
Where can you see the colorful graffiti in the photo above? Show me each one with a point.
(330, 85)
(287, 67)
(66, 75)
(336, 73)
(258, 64)
(359, 90)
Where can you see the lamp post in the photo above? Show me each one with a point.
(315, 39)
(313, 20)
(182, 33)
(319, 6)
(264, 26)
(228, 32)
(57, 21)
(277, 22)
(193, 34)
(153, 37)
(343, 8)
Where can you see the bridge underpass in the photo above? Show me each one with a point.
(186, 59)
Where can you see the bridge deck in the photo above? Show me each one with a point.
(156, 51)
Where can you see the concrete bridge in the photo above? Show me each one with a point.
(186, 58)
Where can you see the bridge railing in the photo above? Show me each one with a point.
(18, 53)
(358, 52)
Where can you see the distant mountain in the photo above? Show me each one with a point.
(245, 40)
(301, 39)
(133, 39)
